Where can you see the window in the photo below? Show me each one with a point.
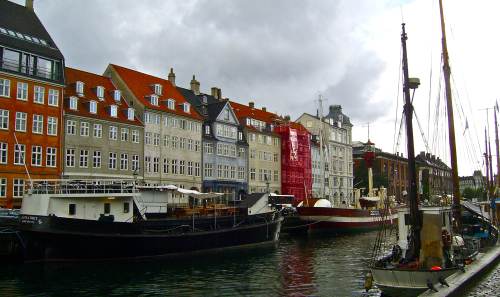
(18, 187)
(135, 136)
(52, 126)
(117, 95)
(97, 130)
(73, 103)
(276, 176)
(186, 107)
(124, 162)
(84, 129)
(36, 155)
(3, 187)
(126, 207)
(182, 143)
(240, 136)
(38, 96)
(208, 148)
(219, 171)
(157, 89)
(19, 154)
(156, 164)
(197, 144)
(175, 142)
(252, 173)
(241, 152)
(4, 119)
(147, 163)
(190, 146)
(113, 133)
(93, 107)
(130, 114)
(197, 168)
(124, 134)
(233, 172)
(4, 87)
(21, 121)
(96, 159)
(166, 165)
(166, 140)
(135, 162)
(113, 111)
(174, 166)
(147, 138)
(226, 114)
(22, 91)
(156, 139)
(241, 172)
(147, 117)
(53, 99)
(70, 157)
(171, 104)
(112, 161)
(182, 167)
(51, 157)
(208, 170)
(84, 158)
(4, 152)
(79, 87)
(100, 92)
(153, 99)
(190, 168)
(70, 127)
(71, 209)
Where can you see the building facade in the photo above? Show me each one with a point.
(172, 128)
(264, 160)
(225, 149)
(336, 140)
(103, 135)
(434, 176)
(31, 88)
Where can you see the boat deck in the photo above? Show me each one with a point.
(460, 280)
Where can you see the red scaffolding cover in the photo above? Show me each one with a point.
(296, 172)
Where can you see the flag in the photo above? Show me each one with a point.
(466, 125)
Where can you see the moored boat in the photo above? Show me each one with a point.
(65, 220)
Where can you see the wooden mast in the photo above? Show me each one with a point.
(486, 160)
(415, 219)
(451, 125)
(497, 146)
(492, 177)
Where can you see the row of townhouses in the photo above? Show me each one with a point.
(61, 122)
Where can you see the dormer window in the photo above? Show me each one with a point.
(186, 107)
(153, 99)
(130, 114)
(157, 89)
(79, 87)
(205, 99)
(117, 94)
(226, 114)
(113, 111)
(93, 107)
(240, 136)
(73, 103)
(249, 122)
(207, 130)
(171, 104)
(100, 92)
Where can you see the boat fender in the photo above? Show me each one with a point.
(430, 285)
(442, 281)
(368, 281)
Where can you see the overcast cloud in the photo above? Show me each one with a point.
(282, 54)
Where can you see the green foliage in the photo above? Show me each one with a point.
(470, 193)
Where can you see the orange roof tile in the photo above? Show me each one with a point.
(244, 111)
(91, 81)
(140, 84)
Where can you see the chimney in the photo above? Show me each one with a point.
(195, 86)
(29, 5)
(217, 93)
(264, 108)
(171, 77)
(251, 104)
(428, 155)
(287, 118)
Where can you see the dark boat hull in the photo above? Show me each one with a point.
(46, 242)
(345, 220)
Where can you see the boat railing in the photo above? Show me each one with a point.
(81, 186)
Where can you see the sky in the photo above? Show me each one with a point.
(283, 54)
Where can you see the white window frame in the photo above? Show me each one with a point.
(70, 127)
(37, 124)
(158, 89)
(70, 157)
(73, 103)
(171, 104)
(22, 91)
(84, 129)
(51, 157)
(96, 159)
(21, 121)
(52, 126)
(186, 107)
(3, 187)
(18, 188)
(36, 155)
(53, 98)
(39, 95)
(93, 107)
(112, 161)
(135, 136)
(97, 131)
(4, 88)
(19, 154)
(84, 158)
(124, 134)
(130, 114)
(4, 119)
(79, 87)
(117, 94)
(100, 92)
(113, 133)
(4, 152)
(113, 111)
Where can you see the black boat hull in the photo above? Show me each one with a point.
(46, 242)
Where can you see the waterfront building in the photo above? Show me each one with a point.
(337, 152)
(103, 135)
(172, 127)
(225, 148)
(264, 159)
(318, 183)
(389, 170)
(434, 176)
(296, 172)
(31, 88)
(476, 181)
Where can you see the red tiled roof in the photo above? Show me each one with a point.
(91, 81)
(140, 84)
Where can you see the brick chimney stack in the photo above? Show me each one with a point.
(171, 77)
(195, 86)
(217, 93)
(264, 108)
(251, 104)
(29, 5)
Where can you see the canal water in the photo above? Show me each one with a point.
(296, 266)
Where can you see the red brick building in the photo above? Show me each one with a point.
(31, 88)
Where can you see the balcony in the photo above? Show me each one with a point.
(48, 74)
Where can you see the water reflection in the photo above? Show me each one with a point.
(303, 266)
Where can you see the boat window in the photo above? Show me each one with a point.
(107, 208)
(72, 209)
(126, 207)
